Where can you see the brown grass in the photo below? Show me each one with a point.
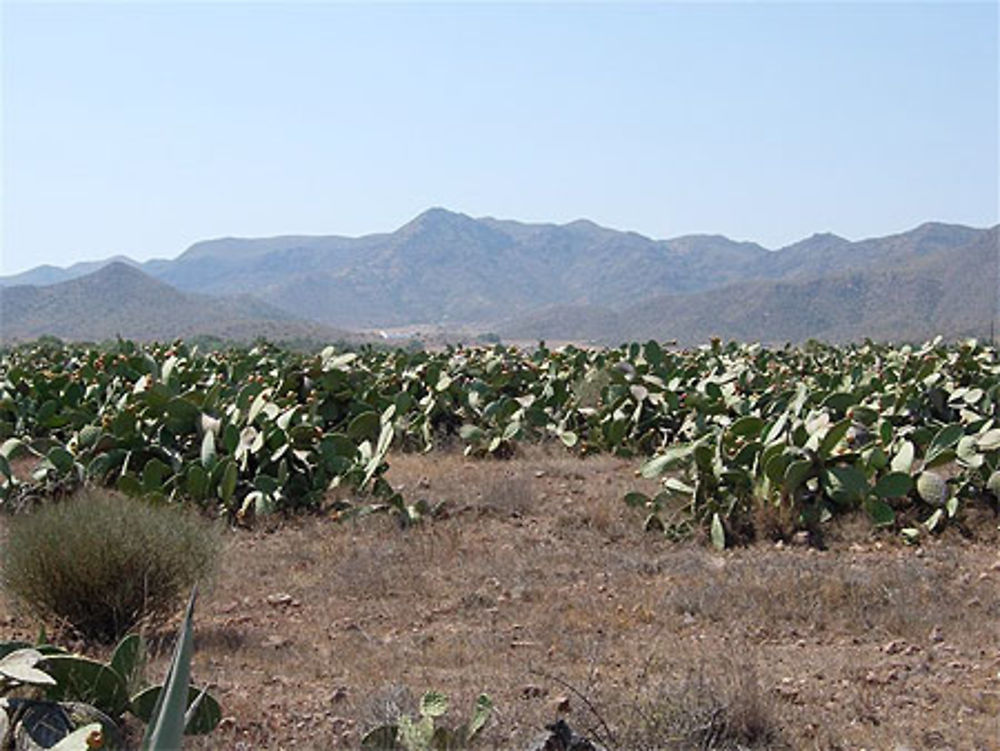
(539, 587)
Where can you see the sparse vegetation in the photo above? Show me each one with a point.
(528, 565)
(748, 441)
(101, 563)
(717, 704)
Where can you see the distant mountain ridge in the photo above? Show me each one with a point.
(953, 292)
(584, 281)
(120, 300)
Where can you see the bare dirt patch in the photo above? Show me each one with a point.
(538, 586)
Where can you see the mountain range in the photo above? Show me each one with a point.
(577, 281)
(118, 299)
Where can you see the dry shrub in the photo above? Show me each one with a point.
(102, 563)
(900, 596)
(509, 495)
(715, 704)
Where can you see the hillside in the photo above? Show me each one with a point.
(450, 269)
(120, 300)
(951, 291)
(582, 281)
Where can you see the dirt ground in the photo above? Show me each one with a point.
(539, 587)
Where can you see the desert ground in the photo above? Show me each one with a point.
(537, 585)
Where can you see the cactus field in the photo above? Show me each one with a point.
(723, 547)
(905, 436)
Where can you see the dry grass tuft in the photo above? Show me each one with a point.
(716, 704)
(102, 564)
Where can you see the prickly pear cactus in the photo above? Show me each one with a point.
(38, 725)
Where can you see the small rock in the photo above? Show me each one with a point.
(338, 724)
(800, 538)
(894, 647)
(275, 642)
(338, 695)
(532, 692)
(936, 635)
(560, 737)
(280, 598)
(226, 723)
(562, 704)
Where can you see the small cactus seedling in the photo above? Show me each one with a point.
(408, 734)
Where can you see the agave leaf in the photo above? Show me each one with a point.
(200, 718)
(166, 726)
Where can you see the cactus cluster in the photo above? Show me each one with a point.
(51, 699)
(818, 429)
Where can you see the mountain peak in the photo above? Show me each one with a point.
(435, 217)
(118, 270)
(818, 242)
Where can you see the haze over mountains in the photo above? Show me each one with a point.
(120, 300)
(575, 281)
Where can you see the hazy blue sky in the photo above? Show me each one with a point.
(140, 129)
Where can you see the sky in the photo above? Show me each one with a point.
(142, 128)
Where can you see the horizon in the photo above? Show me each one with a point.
(121, 258)
(762, 123)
